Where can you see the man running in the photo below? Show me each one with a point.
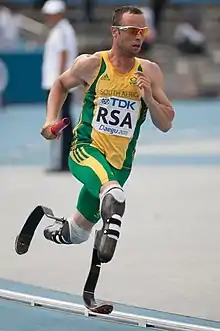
(119, 90)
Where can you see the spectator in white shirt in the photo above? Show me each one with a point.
(59, 53)
(188, 35)
(10, 22)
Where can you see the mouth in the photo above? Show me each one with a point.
(136, 46)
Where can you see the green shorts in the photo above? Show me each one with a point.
(91, 168)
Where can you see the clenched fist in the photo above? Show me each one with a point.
(144, 84)
(46, 130)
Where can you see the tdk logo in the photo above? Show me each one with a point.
(124, 104)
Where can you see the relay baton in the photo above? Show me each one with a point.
(60, 126)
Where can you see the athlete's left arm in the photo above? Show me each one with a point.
(160, 108)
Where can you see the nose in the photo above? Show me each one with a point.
(139, 36)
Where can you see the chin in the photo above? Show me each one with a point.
(129, 53)
(134, 52)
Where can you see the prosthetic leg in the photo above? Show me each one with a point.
(112, 210)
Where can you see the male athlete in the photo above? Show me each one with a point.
(119, 90)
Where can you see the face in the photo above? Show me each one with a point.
(129, 40)
(51, 20)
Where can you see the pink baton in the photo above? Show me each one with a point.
(60, 126)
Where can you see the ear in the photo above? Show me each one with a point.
(114, 31)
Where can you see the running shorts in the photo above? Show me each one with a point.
(90, 167)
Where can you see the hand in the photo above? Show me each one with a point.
(46, 130)
(144, 85)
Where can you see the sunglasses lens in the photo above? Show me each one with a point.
(135, 31)
(145, 30)
(132, 30)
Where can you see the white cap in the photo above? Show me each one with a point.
(53, 7)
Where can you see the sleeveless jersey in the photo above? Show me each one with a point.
(112, 114)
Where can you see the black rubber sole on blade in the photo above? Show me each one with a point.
(22, 243)
(103, 308)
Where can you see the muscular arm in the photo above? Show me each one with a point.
(160, 108)
(80, 73)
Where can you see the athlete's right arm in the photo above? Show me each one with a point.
(80, 73)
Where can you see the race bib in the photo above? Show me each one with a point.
(116, 116)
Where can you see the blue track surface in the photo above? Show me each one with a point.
(17, 316)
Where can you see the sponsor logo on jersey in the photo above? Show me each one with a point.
(105, 77)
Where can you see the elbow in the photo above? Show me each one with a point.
(166, 127)
(169, 122)
(58, 83)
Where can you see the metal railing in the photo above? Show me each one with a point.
(116, 316)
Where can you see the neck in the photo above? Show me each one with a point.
(57, 20)
(120, 60)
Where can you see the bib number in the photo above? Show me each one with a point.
(116, 116)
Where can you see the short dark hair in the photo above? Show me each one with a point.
(120, 11)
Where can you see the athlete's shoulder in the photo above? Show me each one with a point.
(88, 60)
(149, 66)
(87, 66)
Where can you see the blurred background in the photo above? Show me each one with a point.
(171, 230)
(183, 39)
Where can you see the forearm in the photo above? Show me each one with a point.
(56, 99)
(161, 115)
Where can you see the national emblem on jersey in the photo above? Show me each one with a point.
(133, 81)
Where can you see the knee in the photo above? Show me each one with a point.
(115, 189)
(112, 201)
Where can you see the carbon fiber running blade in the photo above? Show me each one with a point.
(90, 286)
(23, 240)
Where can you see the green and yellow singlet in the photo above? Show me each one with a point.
(112, 114)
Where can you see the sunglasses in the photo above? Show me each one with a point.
(133, 30)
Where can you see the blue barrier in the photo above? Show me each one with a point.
(24, 76)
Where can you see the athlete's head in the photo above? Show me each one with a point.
(128, 29)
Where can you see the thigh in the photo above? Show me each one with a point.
(88, 205)
(90, 167)
(122, 175)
